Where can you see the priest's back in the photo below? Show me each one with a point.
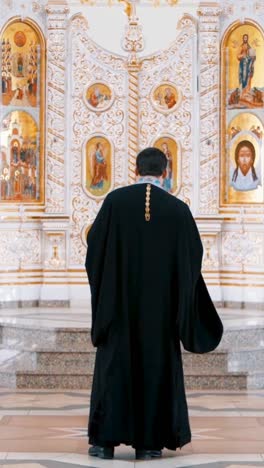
(146, 286)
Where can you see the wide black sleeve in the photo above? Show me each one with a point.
(97, 266)
(199, 325)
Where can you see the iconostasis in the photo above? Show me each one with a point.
(75, 112)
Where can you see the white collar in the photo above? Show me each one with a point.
(150, 179)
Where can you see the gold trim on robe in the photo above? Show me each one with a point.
(147, 204)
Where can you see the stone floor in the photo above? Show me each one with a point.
(47, 428)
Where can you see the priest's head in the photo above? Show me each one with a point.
(151, 162)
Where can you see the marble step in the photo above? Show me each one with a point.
(246, 360)
(216, 381)
(63, 356)
(44, 359)
(78, 339)
(17, 359)
(256, 380)
(62, 339)
(53, 361)
(235, 339)
(37, 380)
(216, 360)
(193, 381)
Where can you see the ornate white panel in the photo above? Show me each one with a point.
(241, 248)
(89, 64)
(54, 249)
(20, 247)
(211, 252)
(174, 65)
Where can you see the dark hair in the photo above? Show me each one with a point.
(250, 146)
(151, 161)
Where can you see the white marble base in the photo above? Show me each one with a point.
(78, 295)
(19, 292)
(54, 292)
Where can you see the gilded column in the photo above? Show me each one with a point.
(57, 14)
(209, 64)
(132, 43)
(132, 121)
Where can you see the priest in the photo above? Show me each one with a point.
(148, 295)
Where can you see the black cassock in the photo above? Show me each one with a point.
(148, 294)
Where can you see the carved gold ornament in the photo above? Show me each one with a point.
(128, 5)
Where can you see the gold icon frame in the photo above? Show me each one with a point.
(41, 123)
